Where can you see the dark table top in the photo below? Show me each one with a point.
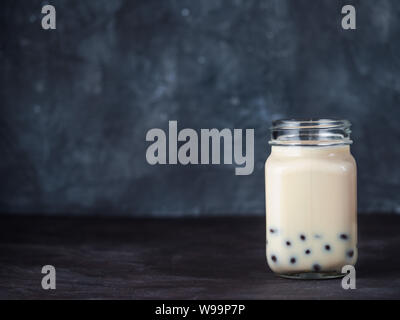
(204, 258)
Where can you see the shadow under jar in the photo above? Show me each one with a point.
(311, 199)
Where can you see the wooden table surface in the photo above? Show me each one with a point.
(204, 258)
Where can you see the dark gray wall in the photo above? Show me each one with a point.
(76, 103)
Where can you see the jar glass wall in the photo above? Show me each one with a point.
(311, 199)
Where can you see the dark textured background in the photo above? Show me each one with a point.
(76, 103)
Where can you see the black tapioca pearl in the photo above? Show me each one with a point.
(308, 251)
(288, 243)
(344, 236)
(303, 237)
(293, 260)
(274, 258)
(316, 267)
(350, 253)
(327, 247)
(272, 230)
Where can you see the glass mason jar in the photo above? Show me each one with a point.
(311, 199)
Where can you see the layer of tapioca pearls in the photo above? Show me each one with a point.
(309, 252)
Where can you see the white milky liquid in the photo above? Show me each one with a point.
(311, 205)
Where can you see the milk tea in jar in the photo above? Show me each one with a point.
(311, 199)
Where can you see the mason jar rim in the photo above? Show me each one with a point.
(288, 124)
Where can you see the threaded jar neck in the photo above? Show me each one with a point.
(315, 132)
